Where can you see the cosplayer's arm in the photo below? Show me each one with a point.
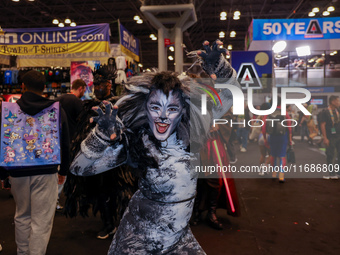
(104, 148)
(220, 70)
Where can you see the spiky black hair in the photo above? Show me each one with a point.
(103, 74)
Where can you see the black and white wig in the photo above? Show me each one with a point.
(133, 110)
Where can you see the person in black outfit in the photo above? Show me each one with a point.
(73, 107)
(98, 190)
(72, 104)
(330, 129)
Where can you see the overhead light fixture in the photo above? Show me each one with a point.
(326, 13)
(230, 47)
(148, 70)
(55, 21)
(153, 37)
(15, 0)
(330, 8)
(232, 34)
(315, 9)
(61, 24)
(311, 14)
(73, 24)
(332, 54)
(237, 13)
(303, 51)
(136, 17)
(279, 46)
(67, 21)
(140, 21)
(335, 52)
(221, 34)
(171, 58)
(223, 16)
(228, 56)
(31, 0)
(323, 54)
(172, 48)
(236, 17)
(140, 65)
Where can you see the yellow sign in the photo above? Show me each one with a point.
(130, 53)
(41, 49)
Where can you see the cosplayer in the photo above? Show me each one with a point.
(150, 128)
(109, 192)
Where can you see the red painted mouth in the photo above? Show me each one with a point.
(161, 127)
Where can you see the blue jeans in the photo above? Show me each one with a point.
(242, 134)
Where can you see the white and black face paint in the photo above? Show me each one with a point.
(164, 113)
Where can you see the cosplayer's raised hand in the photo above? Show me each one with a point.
(214, 62)
(108, 125)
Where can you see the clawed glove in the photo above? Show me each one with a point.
(214, 62)
(109, 126)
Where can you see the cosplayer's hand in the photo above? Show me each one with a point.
(107, 123)
(213, 58)
(61, 179)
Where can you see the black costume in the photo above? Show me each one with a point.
(108, 193)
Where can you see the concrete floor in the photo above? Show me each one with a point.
(301, 216)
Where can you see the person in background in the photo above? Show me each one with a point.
(35, 188)
(109, 192)
(72, 106)
(280, 138)
(330, 129)
(243, 130)
(312, 128)
(264, 147)
(303, 125)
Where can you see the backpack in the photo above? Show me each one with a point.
(275, 127)
(29, 140)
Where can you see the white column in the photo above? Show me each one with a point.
(162, 56)
(178, 50)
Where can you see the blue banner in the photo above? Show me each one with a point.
(262, 61)
(55, 40)
(129, 43)
(296, 29)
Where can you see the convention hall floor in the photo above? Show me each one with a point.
(301, 216)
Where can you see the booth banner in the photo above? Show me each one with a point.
(59, 60)
(129, 44)
(83, 70)
(251, 67)
(55, 40)
(296, 29)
